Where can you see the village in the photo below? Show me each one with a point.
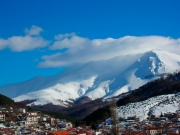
(19, 121)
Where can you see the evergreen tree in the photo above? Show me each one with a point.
(93, 126)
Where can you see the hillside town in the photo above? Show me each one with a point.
(19, 121)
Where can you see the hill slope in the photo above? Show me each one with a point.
(5, 100)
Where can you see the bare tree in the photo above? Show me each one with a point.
(114, 116)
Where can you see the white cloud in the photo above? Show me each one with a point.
(83, 49)
(30, 41)
(33, 31)
(80, 50)
(23, 43)
(65, 42)
(66, 35)
(3, 43)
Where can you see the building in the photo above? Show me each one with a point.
(31, 121)
(22, 110)
(2, 117)
(153, 130)
(65, 125)
(61, 132)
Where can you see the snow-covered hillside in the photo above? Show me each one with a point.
(152, 106)
(105, 78)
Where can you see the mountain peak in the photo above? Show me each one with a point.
(97, 79)
(158, 62)
(157, 52)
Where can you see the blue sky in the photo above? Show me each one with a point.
(43, 37)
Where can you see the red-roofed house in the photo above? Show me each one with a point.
(61, 132)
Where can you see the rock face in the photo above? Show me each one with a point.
(93, 80)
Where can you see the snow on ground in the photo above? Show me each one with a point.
(171, 104)
(151, 106)
(2, 125)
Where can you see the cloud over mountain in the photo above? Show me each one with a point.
(97, 79)
(80, 49)
(71, 48)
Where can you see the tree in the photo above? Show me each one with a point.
(93, 126)
(114, 116)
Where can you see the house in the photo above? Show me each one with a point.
(11, 109)
(163, 118)
(44, 124)
(61, 132)
(3, 110)
(22, 110)
(31, 121)
(108, 121)
(53, 121)
(152, 117)
(21, 123)
(65, 125)
(2, 117)
(153, 130)
(78, 131)
(81, 132)
(134, 133)
(46, 118)
(173, 130)
(170, 115)
(178, 111)
(131, 117)
(32, 113)
(156, 123)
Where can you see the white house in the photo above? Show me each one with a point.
(22, 110)
(2, 117)
(31, 120)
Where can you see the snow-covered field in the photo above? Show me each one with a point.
(152, 106)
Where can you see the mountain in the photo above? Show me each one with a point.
(96, 79)
(158, 96)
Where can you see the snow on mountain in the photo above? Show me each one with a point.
(95, 79)
(152, 106)
(58, 94)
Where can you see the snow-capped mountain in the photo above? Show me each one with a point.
(97, 79)
(152, 106)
